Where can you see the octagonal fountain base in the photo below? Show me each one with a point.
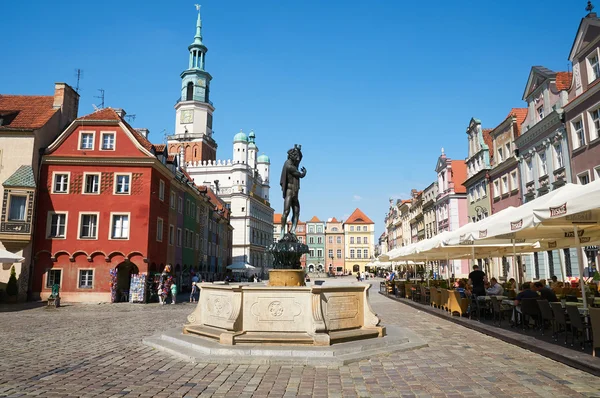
(283, 315)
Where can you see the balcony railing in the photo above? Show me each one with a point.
(195, 98)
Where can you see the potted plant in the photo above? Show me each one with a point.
(12, 288)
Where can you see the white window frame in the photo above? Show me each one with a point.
(365, 253)
(81, 133)
(594, 129)
(320, 253)
(10, 196)
(505, 184)
(529, 169)
(576, 141)
(591, 74)
(171, 234)
(49, 224)
(54, 174)
(497, 192)
(584, 173)
(84, 184)
(543, 164)
(500, 153)
(116, 184)
(161, 190)
(79, 220)
(159, 231)
(102, 134)
(173, 200)
(112, 220)
(508, 150)
(514, 181)
(47, 274)
(91, 287)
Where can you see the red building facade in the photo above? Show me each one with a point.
(104, 208)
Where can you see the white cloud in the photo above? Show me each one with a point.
(356, 198)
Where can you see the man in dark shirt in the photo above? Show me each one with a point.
(477, 279)
(545, 293)
(527, 292)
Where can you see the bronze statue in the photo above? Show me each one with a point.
(290, 185)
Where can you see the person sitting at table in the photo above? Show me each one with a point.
(527, 292)
(512, 284)
(543, 282)
(461, 289)
(495, 288)
(545, 293)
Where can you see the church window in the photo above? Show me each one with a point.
(195, 152)
(189, 95)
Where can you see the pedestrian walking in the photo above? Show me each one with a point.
(173, 292)
(193, 293)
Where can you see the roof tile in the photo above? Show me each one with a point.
(459, 175)
(22, 178)
(314, 219)
(26, 112)
(358, 217)
(563, 80)
(487, 138)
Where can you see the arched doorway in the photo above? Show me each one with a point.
(124, 272)
(311, 268)
(320, 267)
(355, 268)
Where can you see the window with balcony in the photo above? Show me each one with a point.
(17, 207)
(57, 225)
(119, 226)
(578, 133)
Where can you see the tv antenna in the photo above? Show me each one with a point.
(130, 118)
(101, 96)
(165, 135)
(79, 76)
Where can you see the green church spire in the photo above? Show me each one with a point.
(198, 37)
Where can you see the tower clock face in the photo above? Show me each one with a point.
(187, 116)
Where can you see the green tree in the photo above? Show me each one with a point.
(12, 288)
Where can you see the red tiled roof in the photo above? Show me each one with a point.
(160, 148)
(216, 201)
(170, 158)
(277, 218)
(459, 175)
(26, 112)
(334, 220)
(563, 80)
(358, 217)
(521, 115)
(487, 139)
(314, 219)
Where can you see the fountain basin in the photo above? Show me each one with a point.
(302, 315)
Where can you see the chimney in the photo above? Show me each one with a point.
(143, 131)
(67, 100)
(120, 112)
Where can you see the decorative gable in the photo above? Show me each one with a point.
(587, 33)
(537, 77)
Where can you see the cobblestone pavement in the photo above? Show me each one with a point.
(95, 350)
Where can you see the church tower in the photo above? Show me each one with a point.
(194, 110)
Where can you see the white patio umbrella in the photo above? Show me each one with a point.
(240, 267)
(8, 257)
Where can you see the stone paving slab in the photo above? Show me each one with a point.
(97, 351)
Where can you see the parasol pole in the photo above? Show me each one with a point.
(580, 261)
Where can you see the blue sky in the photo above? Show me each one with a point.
(372, 90)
